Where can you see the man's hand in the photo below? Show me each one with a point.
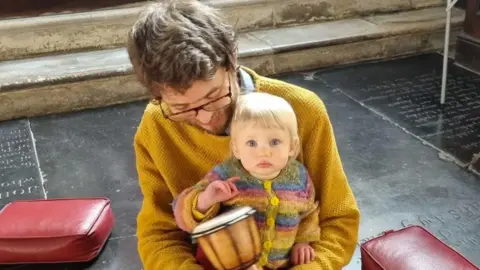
(217, 191)
(302, 253)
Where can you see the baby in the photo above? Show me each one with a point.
(262, 173)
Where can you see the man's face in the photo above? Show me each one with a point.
(201, 93)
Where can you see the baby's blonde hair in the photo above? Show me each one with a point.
(267, 111)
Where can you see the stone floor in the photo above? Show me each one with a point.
(408, 160)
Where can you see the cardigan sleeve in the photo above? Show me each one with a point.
(184, 205)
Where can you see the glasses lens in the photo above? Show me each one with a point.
(218, 104)
(176, 117)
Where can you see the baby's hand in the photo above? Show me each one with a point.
(217, 191)
(302, 253)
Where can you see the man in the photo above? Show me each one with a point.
(185, 55)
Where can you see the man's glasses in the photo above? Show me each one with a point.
(213, 105)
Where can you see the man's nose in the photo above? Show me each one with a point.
(204, 117)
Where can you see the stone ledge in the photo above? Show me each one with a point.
(69, 97)
(27, 37)
(61, 69)
(85, 80)
(358, 29)
(367, 50)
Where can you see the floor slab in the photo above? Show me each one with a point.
(407, 91)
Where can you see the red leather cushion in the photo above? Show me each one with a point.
(411, 248)
(54, 230)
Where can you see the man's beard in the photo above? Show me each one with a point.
(221, 129)
(228, 113)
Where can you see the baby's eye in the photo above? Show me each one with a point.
(251, 143)
(275, 142)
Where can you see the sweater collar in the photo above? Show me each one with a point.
(247, 85)
(246, 82)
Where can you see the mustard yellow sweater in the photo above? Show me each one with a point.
(172, 156)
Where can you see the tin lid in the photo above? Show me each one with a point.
(223, 220)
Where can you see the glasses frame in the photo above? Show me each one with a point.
(201, 107)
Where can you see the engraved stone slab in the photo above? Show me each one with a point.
(19, 173)
(447, 209)
(407, 92)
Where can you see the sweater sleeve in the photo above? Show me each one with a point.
(339, 215)
(161, 244)
(308, 229)
(184, 206)
(202, 216)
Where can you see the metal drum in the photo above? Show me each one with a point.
(231, 240)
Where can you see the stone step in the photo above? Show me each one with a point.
(32, 8)
(70, 82)
(102, 29)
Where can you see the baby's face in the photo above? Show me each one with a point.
(264, 152)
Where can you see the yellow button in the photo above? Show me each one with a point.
(267, 245)
(263, 260)
(270, 222)
(267, 185)
(274, 201)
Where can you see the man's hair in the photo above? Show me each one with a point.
(266, 111)
(176, 42)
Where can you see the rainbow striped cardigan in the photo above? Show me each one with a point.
(287, 212)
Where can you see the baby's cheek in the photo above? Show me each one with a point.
(248, 165)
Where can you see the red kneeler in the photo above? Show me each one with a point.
(411, 248)
(54, 230)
